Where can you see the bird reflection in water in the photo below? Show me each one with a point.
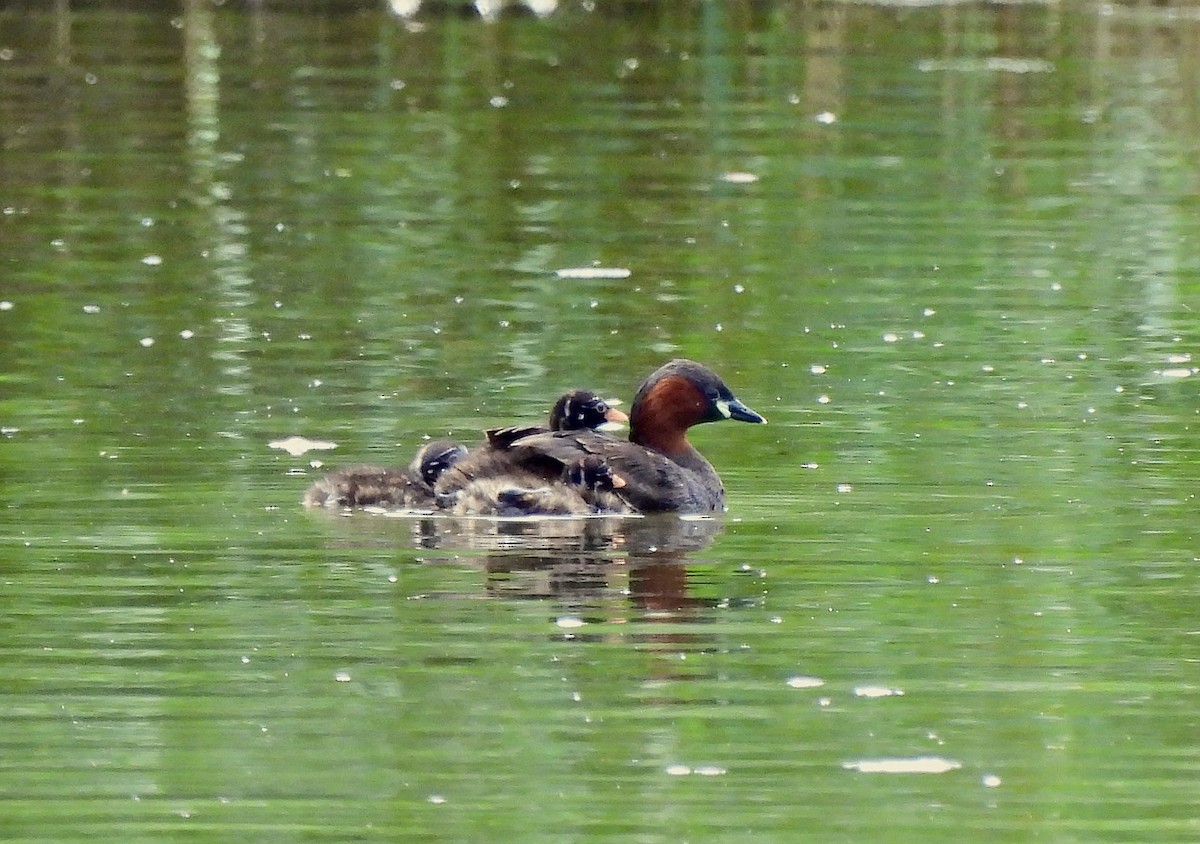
(600, 573)
(607, 578)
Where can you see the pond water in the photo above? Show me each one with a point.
(951, 251)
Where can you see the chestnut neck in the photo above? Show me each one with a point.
(660, 417)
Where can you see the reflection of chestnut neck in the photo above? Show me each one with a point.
(658, 592)
(660, 586)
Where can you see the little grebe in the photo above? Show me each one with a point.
(380, 486)
(412, 486)
(586, 487)
(575, 410)
(661, 470)
(478, 490)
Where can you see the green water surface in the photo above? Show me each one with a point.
(951, 251)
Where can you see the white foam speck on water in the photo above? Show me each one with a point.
(541, 8)
(739, 178)
(404, 8)
(802, 682)
(985, 64)
(699, 770)
(296, 446)
(914, 765)
(593, 272)
(877, 691)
